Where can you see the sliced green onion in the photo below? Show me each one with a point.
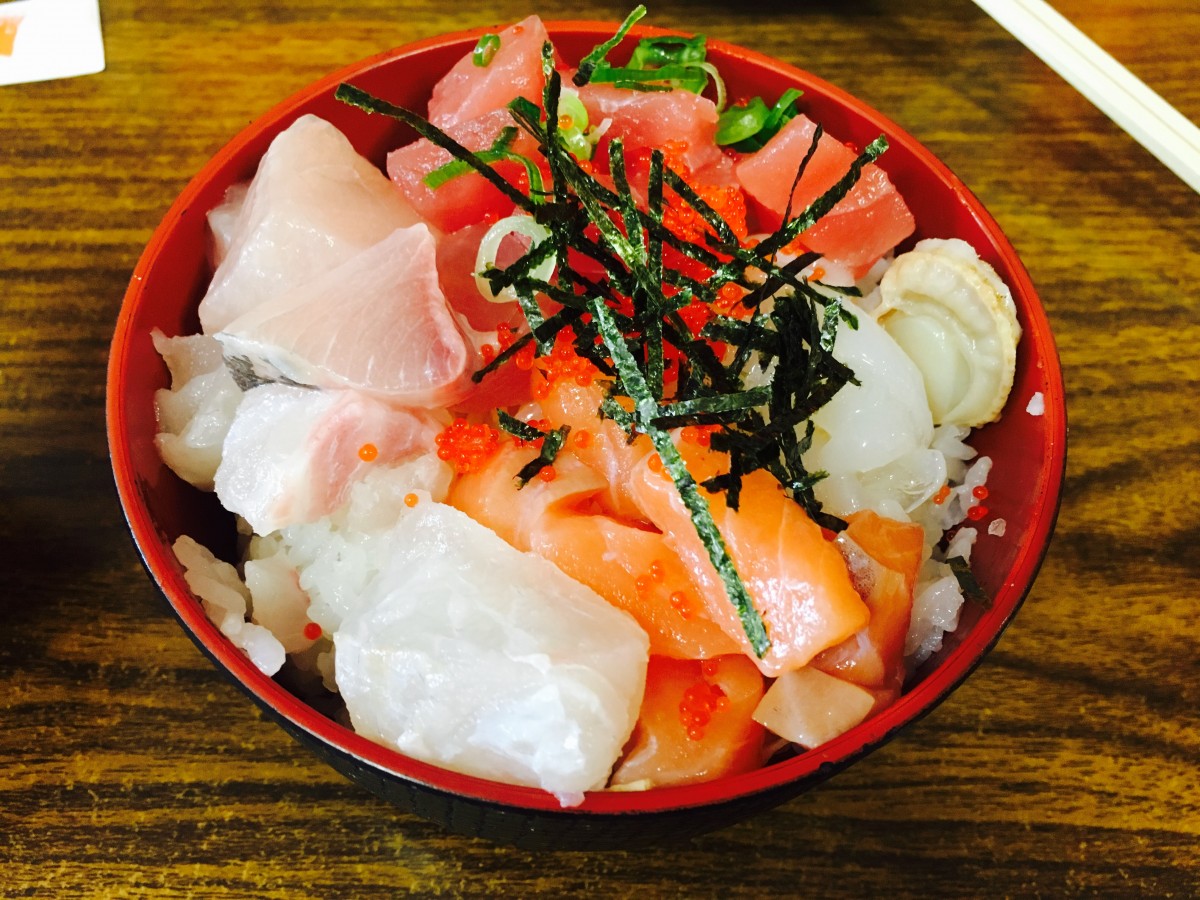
(588, 64)
(655, 52)
(485, 50)
(498, 152)
(748, 126)
(489, 248)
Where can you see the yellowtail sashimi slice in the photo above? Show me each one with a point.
(378, 323)
(477, 657)
(313, 204)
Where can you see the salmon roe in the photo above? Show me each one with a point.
(564, 363)
(467, 446)
(681, 604)
(696, 708)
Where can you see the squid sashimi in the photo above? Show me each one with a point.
(475, 656)
(883, 417)
(513, 69)
(378, 323)
(291, 453)
(867, 223)
(313, 204)
(796, 578)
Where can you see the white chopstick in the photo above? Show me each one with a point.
(1112, 88)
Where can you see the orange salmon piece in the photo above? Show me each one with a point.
(695, 723)
(797, 580)
(633, 569)
(491, 496)
(600, 443)
(884, 556)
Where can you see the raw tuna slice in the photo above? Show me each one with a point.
(656, 118)
(378, 323)
(468, 198)
(869, 221)
(468, 90)
(313, 204)
(292, 453)
(477, 657)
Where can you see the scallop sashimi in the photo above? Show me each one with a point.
(291, 452)
(866, 224)
(475, 656)
(313, 204)
(378, 323)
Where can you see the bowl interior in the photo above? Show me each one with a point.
(172, 275)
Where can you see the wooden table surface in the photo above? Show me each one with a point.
(1068, 764)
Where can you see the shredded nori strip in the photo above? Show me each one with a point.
(967, 583)
(552, 443)
(644, 411)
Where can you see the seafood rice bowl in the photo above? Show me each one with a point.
(581, 434)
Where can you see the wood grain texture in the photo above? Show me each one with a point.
(1068, 764)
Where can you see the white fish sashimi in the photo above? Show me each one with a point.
(223, 597)
(292, 453)
(378, 323)
(336, 557)
(313, 204)
(480, 658)
(194, 415)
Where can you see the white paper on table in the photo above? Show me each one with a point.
(45, 39)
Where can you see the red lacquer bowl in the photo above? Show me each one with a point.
(1025, 484)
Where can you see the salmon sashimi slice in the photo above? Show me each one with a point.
(695, 723)
(866, 224)
(633, 569)
(562, 520)
(600, 443)
(292, 453)
(797, 580)
(378, 323)
(493, 497)
(313, 204)
(883, 556)
(469, 89)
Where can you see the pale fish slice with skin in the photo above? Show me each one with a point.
(378, 323)
(472, 655)
(313, 204)
(292, 453)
